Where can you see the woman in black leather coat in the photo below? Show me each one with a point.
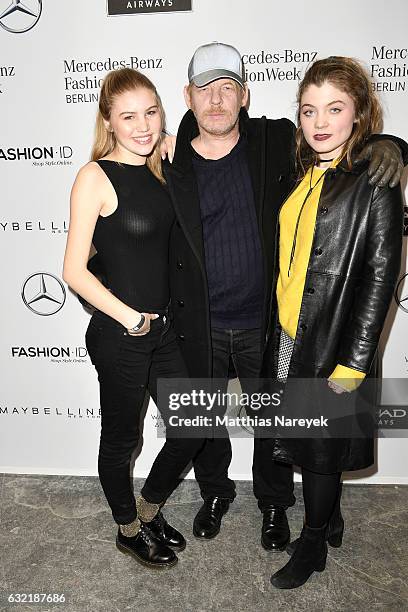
(339, 259)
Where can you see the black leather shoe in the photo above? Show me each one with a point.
(146, 549)
(334, 534)
(207, 522)
(166, 533)
(275, 529)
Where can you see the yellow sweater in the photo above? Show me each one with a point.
(290, 286)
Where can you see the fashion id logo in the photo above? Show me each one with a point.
(40, 156)
(55, 354)
(127, 7)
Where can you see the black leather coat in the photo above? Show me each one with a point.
(353, 268)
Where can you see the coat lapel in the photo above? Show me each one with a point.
(183, 187)
(184, 194)
(256, 158)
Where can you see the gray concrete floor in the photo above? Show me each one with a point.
(57, 536)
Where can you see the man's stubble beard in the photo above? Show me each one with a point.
(214, 130)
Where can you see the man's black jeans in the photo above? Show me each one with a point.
(272, 481)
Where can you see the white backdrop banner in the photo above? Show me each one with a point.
(54, 55)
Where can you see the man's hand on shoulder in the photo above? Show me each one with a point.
(386, 165)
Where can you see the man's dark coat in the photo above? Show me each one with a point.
(270, 147)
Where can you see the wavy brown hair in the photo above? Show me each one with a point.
(349, 76)
(115, 83)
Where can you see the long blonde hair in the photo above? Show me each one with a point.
(114, 84)
(348, 75)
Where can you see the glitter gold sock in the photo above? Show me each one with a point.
(131, 529)
(146, 511)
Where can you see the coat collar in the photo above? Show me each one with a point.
(357, 168)
(188, 130)
(253, 131)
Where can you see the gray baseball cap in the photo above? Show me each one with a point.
(215, 61)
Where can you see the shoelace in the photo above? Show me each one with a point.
(146, 535)
(270, 515)
(159, 520)
(215, 502)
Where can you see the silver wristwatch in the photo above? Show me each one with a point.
(139, 325)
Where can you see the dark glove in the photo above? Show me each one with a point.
(386, 164)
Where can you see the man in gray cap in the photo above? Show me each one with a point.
(229, 176)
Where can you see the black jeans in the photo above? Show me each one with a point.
(272, 480)
(127, 366)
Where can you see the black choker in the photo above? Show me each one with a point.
(326, 160)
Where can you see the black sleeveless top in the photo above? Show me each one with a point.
(133, 242)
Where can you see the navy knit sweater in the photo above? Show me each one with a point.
(233, 254)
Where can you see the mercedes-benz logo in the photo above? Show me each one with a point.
(401, 293)
(43, 293)
(20, 16)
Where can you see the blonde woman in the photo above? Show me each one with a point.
(120, 204)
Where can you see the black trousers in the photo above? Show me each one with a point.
(127, 367)
(272, 480)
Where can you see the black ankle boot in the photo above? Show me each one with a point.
(309, 556)
(334, 533)
(146, 549)
(166, 533)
